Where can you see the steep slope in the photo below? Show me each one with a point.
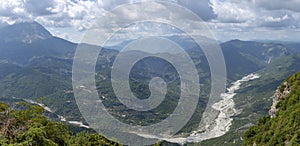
(41, 66)
(283, 127)
(27, 125)
(26, 32)
(33, 63)
(20, 43)
(253, 100)
(245, 57)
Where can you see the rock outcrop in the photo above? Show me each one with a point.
(282, 127)
(277, 97)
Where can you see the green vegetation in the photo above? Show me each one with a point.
(284, 129)
(253, 99)
(44, 68)
(27, 126)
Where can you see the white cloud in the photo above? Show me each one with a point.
(50, 13)
(255, 19)
(276, 19)
(232, 12)
(10, 8)
(225, 17)
(292, 5)
(38, 8)
(80, 14)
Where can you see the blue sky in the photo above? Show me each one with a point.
(228, 19)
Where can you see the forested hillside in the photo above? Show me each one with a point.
(283, 127)
(25, 125)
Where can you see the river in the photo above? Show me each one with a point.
(226, 109)
(48, 109)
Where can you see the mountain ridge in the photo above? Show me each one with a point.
(26, 32)
(44, 68)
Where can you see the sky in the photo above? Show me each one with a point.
(227, 19)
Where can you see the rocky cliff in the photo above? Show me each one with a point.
(277, 97)
(282, 127)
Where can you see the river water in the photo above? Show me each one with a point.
(221, 125)
(225, 107)
(48, 109)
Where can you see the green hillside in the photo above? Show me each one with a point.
(284, 128)
(42, 67)
(27, 126)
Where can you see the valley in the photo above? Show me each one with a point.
(41, 66)
(222, 123)
(47, 109)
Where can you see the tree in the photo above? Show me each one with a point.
(27, 126)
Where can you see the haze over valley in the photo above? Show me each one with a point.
(193, 73)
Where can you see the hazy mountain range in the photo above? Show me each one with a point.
(33, 63)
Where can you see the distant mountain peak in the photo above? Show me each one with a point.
(26, 32)
(238, 41)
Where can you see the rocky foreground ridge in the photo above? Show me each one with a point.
(277, 97)
(282, 126)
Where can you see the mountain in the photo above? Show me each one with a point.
(245, 57)
(282, 127)
(254, 99)
(20, 43)
(241, 57)
(26, 32)
(34, 63)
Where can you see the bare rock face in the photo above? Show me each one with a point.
(277, 97)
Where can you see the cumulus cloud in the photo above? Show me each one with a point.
(170, 14)
(201, 7)
(292, 5)
(10, 11)
(256, 19)
(110, 4)
(232, 12)
(222, 15)
(79, 14)
(285, 20)
(38, 8)
(254, 13)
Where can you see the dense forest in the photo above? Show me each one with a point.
(284, 128)
(26, 125)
